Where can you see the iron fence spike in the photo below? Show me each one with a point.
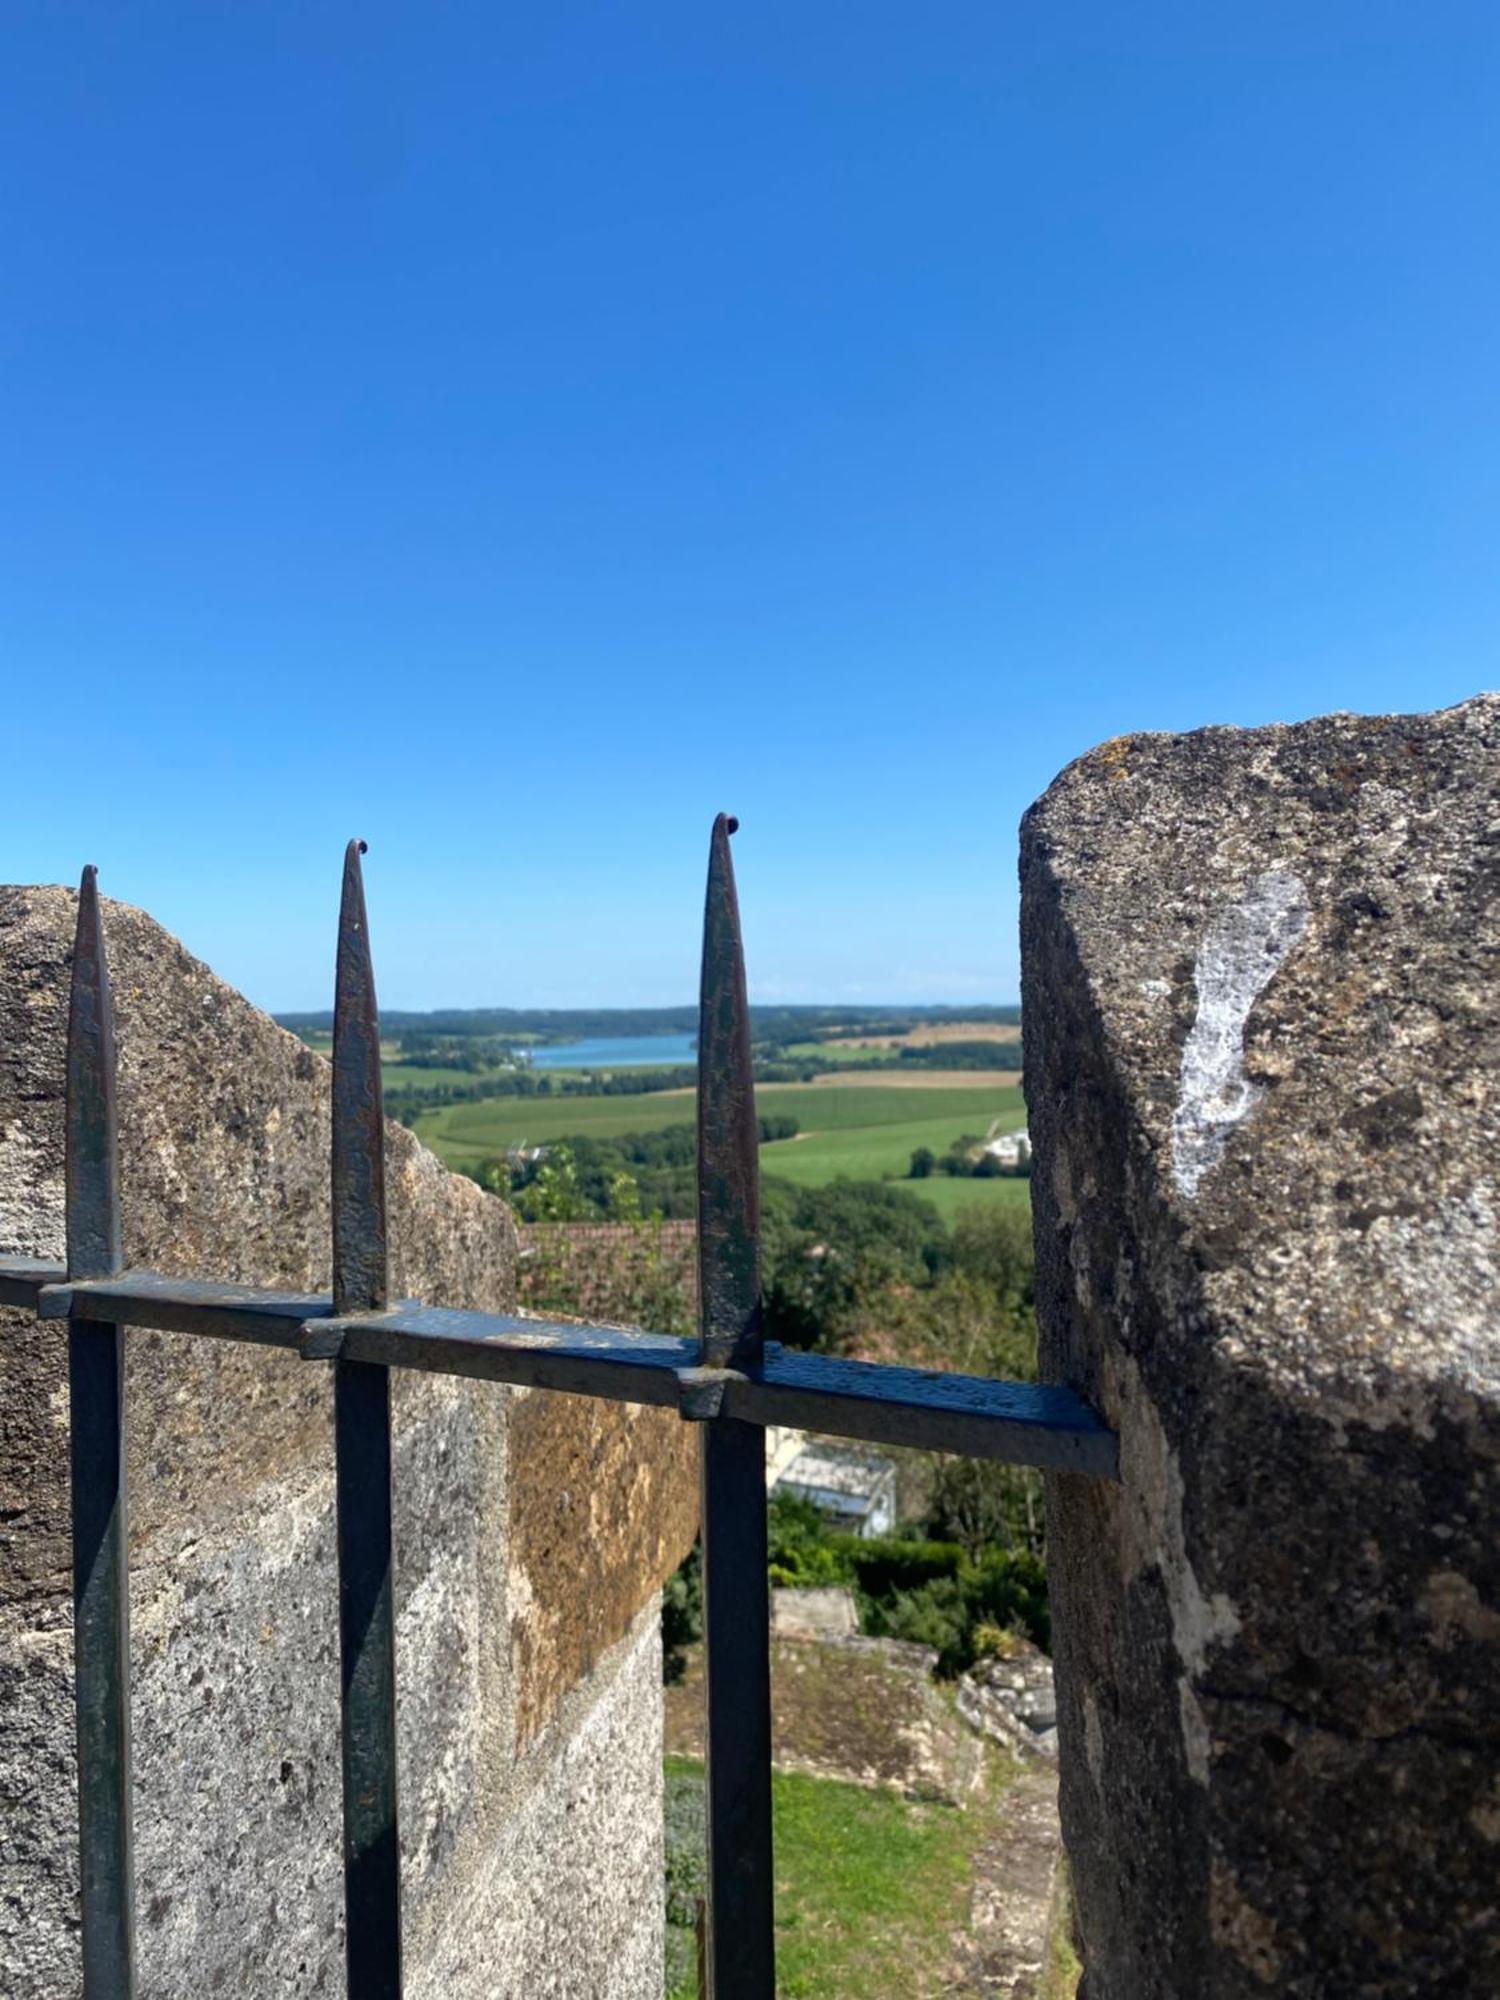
(362, 1472)
(359, 1218)
(92, 1201)
(728, 1164)
(740, 1953)
(96, 1410)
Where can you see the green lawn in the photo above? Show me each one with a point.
(464, 1133)
(869, 1131)
(871, 1888)
(836, 1054)
(951, 1197)
(865, 1131)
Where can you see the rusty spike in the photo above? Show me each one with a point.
(359, 1230)
(92, 1174)
(362, 1474)
(740, 1951)
(96, 1406)
(728, 1164)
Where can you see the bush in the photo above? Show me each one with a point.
(957, 1613)
(681, 1614)
(802, 1553)
(886, 1565)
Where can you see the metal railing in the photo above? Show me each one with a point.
(731, 1380)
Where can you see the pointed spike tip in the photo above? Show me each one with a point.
(355, 848)
(726, 823)
(89, 879)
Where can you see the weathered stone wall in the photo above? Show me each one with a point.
(1262, 1005)
(531, 1531)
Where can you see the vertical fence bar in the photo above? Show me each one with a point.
(736, 1606)
(96, 1394)
(362, 1444)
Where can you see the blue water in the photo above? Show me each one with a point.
(618, 1052)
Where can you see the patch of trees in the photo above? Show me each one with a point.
(407, 1101)
(869, 1268)
(962, 1055)
(456, 1052)
(580, 1178)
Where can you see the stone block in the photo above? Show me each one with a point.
(531, 1534)
(1262, 1006)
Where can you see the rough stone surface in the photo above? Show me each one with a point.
(510, 1713)
(1261, 981)
(1011, 1699)
(1011, 1904)
(803, 1613)
(867, 1711)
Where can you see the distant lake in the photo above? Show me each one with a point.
(619, 1052)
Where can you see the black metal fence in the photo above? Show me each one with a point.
(731, 1380)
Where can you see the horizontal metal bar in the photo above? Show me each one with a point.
(1023, 1422)
(186, 1305)
(22, 1278)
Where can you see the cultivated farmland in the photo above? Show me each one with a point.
(864, 1130)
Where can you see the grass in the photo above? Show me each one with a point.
(460, 1134)
(837, 1055)
(1062, 1969)
(951, 1197)
(863, 1131)
(871, 1888)
(866, 1130)
(869, 1132)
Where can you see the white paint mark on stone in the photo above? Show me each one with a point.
(1155, 1537)
(1241, 953)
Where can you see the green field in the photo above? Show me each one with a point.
(872, 1889)
(863, 1131)
(948, 1197)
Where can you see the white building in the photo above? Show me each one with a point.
(854, 1485)
(1013, 1150)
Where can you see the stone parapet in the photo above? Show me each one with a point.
(1262, 1006)
(532, 1533)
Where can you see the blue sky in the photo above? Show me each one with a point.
(514, 433)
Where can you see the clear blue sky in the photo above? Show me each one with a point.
(513, 433)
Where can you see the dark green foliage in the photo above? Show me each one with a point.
(825, 1251)
(686, 1830)
(887, 1566)
(993, 1246)
(962, 1055)
(662, 1166)
(930, 1591)
(681, 1614)
(802, 1551)
(1002, 1590)
(455, 1052)
(923, 1160)
(403, 1103)
(980, 1503)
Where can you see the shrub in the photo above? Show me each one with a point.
(956, 1613)
(681, 1614)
